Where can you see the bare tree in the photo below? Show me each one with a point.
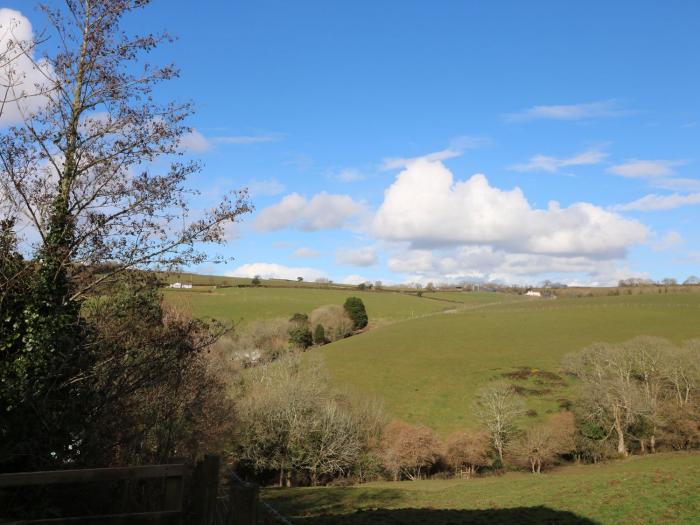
(498, 408)
(95, 170)
(467, 452)
(542, 444)
(651, 355)
(409, 450)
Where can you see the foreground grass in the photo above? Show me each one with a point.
(427, 370)
(664, 488)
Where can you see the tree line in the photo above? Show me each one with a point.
(636, 397)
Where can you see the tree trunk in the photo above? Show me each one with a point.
(652, 443)
(621, 446)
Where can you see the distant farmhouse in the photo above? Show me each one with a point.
(181, 285)
(533, 293)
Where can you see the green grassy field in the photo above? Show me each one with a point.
(427, 370)
(244, 304)
(664, 488)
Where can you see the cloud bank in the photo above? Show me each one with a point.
(426, 208)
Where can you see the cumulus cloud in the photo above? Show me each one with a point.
(22, 76)
(426, 207)
(275, 271)
(305, 253)
(654, 202)
(456, 148)
(366, 256)
(646, 169)
(553, 164)
(323, 212)
(590, 110)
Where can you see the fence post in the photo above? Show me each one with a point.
(243, 503)
(205, 487)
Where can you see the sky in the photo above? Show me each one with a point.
(414, 141)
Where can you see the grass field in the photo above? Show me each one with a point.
(243, 304)
(660, 489)
(427, 370)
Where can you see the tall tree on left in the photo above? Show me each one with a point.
(95, 180)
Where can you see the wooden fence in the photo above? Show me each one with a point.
(190, 496)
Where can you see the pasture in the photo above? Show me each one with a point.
(427, 370)
(245, 304)
(663, 488)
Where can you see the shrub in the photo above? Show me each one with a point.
(468, 452)
(320, 335)
(355, 309)
(300, 332)
(409, 451)
(335, 320)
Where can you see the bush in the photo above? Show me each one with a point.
(300, 332)
(335, 320)
(468, 452)
(355, 309)
(320, 335)
(410, 451)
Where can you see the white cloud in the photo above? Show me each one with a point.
(484, 263)
(323, 212)
(348, 175)
(354, 279)
(677, 184)
(426, 207)
(268, 187)
(654, 202)
(196, 142)
(553, 164)
(275, 271)
(366, 256)
(671, 240)
(603, 108)
(456, 148)
(305, 253)
(248, 139)
(22, 74)
(647, 169)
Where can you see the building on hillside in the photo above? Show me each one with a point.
(533, 293)
(181, 285)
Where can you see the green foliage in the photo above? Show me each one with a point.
(300, 332)
(355, 309)
(42, 355)
(256, 281)
(320, 335)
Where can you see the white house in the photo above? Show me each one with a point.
(533, 293)
(181, 285)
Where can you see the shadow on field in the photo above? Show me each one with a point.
(513, 516)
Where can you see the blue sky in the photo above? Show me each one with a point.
(359, 127)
